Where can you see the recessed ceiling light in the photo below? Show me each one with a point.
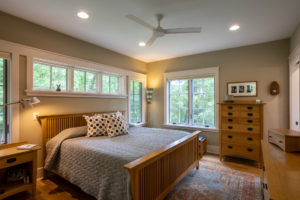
(234, 27)
(142, 44)
(82, 15)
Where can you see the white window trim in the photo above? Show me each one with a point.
(141, 78)
(190, 74)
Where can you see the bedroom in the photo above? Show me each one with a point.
(107, 44)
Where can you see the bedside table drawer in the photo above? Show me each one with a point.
(15, 160)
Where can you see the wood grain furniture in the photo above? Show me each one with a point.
(241, 129)
(152, 176)
(281, 173)
(11, 157)
(202, 146)
(286, 139)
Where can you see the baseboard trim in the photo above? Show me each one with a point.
(214, 149)
(40, 173)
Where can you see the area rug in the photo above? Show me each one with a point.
(216, 182)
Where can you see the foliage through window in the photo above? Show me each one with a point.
(85, 81)
(192, 102)
(3, 97)
(48, 76)
(135, 101)
(110, 84)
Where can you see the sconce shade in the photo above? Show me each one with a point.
(33, 100)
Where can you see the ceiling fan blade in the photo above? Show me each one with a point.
(152, 39)
(182, 30)
(139, 21)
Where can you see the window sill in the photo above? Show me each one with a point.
(73, 94)
(142, 124)
(194, 128)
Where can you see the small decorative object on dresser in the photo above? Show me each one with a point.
(241, 129)
(242, 89)
(285, 139)
(18, 169)
(58, 88)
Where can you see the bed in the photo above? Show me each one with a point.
(134, 166)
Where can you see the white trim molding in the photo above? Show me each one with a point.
(214, 149)
(191, 74)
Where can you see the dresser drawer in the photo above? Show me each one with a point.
(249, 129)
(249, 114)
(230, 113)
(241, 138)
(230, 108)
(250, 121)
(251, 108)
(249, 151)
(230, 120)
(277, 139)
(15, 160)
(231, 127)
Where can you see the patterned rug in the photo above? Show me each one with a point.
(215, 182)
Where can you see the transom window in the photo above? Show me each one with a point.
(110, 84)
(48, 77)
(192, 101)
(135, 99)
(85, 81)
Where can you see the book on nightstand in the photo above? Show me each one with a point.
(27, 146)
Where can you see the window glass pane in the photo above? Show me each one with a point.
(135, 101)
(105, 83)
(79, 80)
(178, 101)
(41, 76)
(203, 102)
(114, 84)
(91, 81)
(1, 71)
(3, 110)
(59, 77)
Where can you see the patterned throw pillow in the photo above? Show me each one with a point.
(96, 125)
(116, 125)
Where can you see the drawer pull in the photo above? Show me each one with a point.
(229, 136)
(280, 141)
(250, 107)
(229, 127)
(229, 107)
(229, 113)
(11, 160)
(229, 147)
(250, 129)
(249, 149)
(250, 121)
(250, 138)
(270, 136)
(230, 120)
(250, 114)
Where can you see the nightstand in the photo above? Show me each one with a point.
(11, 158)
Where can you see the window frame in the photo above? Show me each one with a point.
(140, 98)
(191, 74)
(143, 80)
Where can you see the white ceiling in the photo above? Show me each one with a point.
(260, 21)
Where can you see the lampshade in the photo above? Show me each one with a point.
(33, 100)
(149, 94)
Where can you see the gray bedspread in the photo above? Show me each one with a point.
(95, 164)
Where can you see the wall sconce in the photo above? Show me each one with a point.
(149, 94)
(31, 101)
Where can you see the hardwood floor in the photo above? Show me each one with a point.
(56, 188)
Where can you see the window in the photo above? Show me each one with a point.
(192, 101)
(85, 81)
(3, 100)
(49, 76)
(110, 84)
(135, 98)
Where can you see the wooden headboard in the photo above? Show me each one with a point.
(54, 124)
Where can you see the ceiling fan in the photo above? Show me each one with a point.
(159, 31)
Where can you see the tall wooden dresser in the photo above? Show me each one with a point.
(241, 129)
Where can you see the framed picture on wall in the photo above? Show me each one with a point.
(242, 89)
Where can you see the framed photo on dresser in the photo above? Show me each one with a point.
(242, 89)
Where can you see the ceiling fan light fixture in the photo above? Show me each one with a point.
(142, 44)
(82, 15)
(234, 27)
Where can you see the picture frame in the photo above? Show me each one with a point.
(242, 89)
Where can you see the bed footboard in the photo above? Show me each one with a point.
(154, 175)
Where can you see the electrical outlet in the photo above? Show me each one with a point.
(35, 115)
